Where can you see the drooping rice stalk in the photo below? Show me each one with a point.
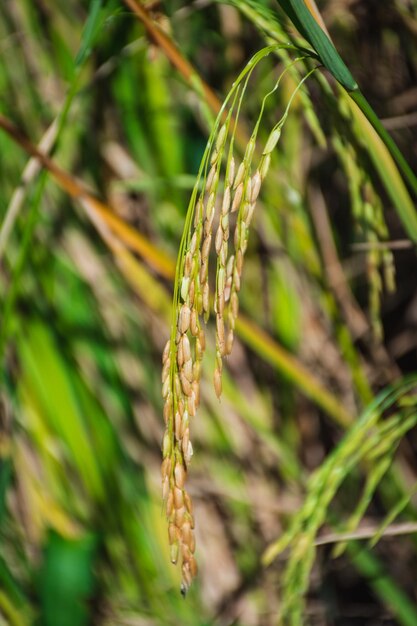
(371, 228)
(223, 202)
(372, 440)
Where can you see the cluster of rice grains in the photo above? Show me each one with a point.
(218, 218)
(371, 230)
(219, 210)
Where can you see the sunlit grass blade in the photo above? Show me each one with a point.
(47, 384)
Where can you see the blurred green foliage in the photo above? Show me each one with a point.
(83, 323)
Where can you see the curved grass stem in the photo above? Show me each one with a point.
(371, 116)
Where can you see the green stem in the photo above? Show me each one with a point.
(384, 586)
(300, 376)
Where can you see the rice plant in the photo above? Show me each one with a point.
(287, 420)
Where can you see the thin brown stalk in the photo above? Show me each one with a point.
(352, 314)
(368, 532)
(185, 68)
(335, 275)
(30, 171)
(162, 40)
(137, 242)
(399, 244)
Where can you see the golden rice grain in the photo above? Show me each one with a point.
(179, 516)
(256, 186)
(179, 475)
(174, 551)
(185, 316)
(223, 251)
(266, 162)
(217, 380)
(206, 248)
(240, 174)
(194, 323)
(185, 384)
(166, 352)
(173, 533)
(180, 354)
(165, 488)
(231, 172)
(170, 503)
(187, 370)
(219, 239)
(211, 179)
(221, 137)
(237, 199)
(226, 201)
(188, 452)
(272, 140)
(188, 503)
(178, 498)
(248, 190)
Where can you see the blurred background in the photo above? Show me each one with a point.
(328, 303)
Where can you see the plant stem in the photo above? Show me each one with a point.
(367, 110)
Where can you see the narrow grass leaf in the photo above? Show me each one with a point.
(90, 29)
(68, 594)
(383, 584)
(314, 34)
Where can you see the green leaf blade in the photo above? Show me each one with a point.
(300, 15)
